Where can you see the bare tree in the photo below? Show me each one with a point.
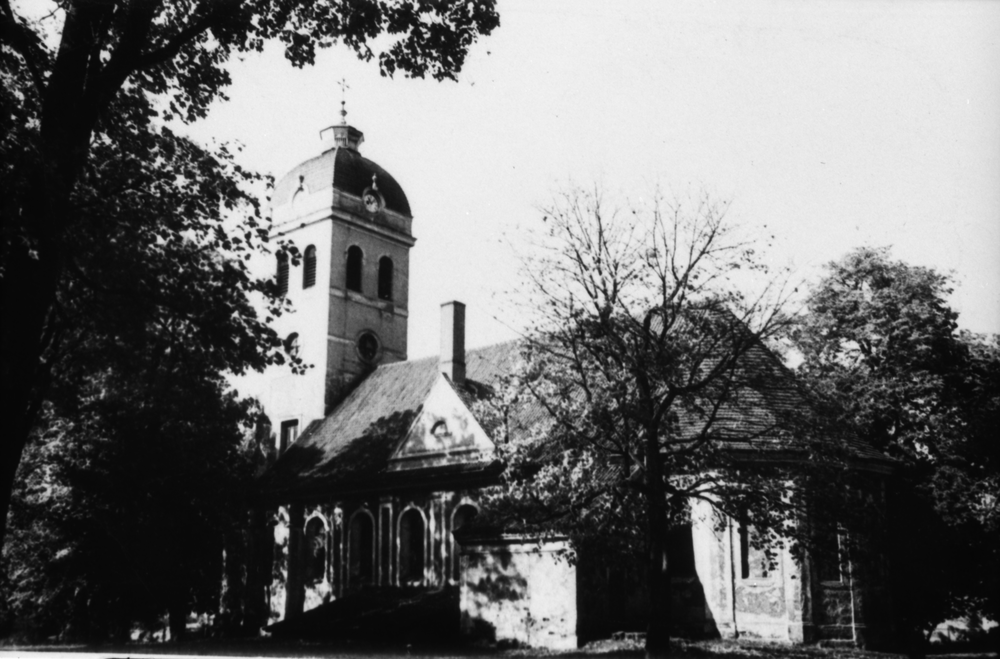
(649, 360)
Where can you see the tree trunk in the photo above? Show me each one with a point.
(38, 218)
(178, 622)
(258, 568)
(232, 598)
(29, 287)
(658, 625)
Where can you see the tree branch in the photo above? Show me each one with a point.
(24, 42)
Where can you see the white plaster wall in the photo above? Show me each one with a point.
(520, 592)
(301, 396)
(713, 564)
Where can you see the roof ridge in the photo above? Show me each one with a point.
(497, 344)
(406, 362)
(437, 357)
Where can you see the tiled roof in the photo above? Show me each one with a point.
(349, 450)
(770, 413)
(773, 411)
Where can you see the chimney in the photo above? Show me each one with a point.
(453, 341)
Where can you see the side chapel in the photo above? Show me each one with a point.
(379, 459)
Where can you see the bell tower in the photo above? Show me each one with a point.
(351, 224)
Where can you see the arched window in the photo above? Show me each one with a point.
(309, 268)
(680, 552)
(829, 554)
(315, 566)
(282, 273)
(462, 516)
(289, 431)
(361, 548)
(354, 261)
(385, 278)
(411, 548)
(755, 558)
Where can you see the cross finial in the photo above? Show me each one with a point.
(343, 100)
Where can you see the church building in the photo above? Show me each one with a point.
(379, 459)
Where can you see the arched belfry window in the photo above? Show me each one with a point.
(282, 273)
(361, 558)
(309, 267)
(411, 548)
(315, 551)
(385, 278)
(355, 257)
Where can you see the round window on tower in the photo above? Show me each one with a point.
(368, 347)
(292, 345)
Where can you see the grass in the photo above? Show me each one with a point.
(680, 649)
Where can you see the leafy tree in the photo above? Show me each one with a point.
(650, 368)
(90, 74)
(125, 505)
(139, 465)
(880, 337)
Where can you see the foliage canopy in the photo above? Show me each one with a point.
(881, 339)
(651, 368)
(102, 201)
(125, 289)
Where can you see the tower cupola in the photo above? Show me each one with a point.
(351, 222)
(342, 136)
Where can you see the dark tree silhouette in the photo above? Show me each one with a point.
(83, 79)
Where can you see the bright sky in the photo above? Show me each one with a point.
(834, 124)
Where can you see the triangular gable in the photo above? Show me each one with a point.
(445, 432)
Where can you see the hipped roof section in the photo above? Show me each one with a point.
(772, 415)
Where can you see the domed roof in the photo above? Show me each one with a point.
(344, 169)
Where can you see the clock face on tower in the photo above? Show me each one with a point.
(372, 201)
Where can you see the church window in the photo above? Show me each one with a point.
(463, 515)
(289, 431)
(262, 431)
(680, 552)
(361, 550)
(309, 268)
(829, 556)
(411, 548)
(755, 559)
(282, 274)
(744, 532)
(385, 278)
(355, 257)
(315, 568)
